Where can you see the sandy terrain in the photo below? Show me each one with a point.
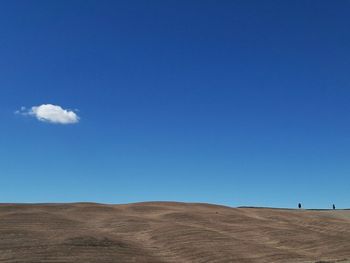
(170, 232)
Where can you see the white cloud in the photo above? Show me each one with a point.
(50, 113)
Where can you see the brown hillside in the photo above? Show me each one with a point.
(170, 232)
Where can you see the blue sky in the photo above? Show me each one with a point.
(229, 102)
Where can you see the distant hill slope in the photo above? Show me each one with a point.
(170, 232)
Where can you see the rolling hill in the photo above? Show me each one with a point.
(170, 232)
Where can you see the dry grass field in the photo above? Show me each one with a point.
(170, 232)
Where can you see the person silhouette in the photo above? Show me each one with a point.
(299, 205)
(333, 206)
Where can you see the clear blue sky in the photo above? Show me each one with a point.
(229, 102)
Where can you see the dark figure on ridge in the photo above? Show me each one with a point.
(333, 206)
(299, 205)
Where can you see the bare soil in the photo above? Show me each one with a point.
(170, 232)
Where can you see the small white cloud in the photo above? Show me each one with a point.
(50, 113)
